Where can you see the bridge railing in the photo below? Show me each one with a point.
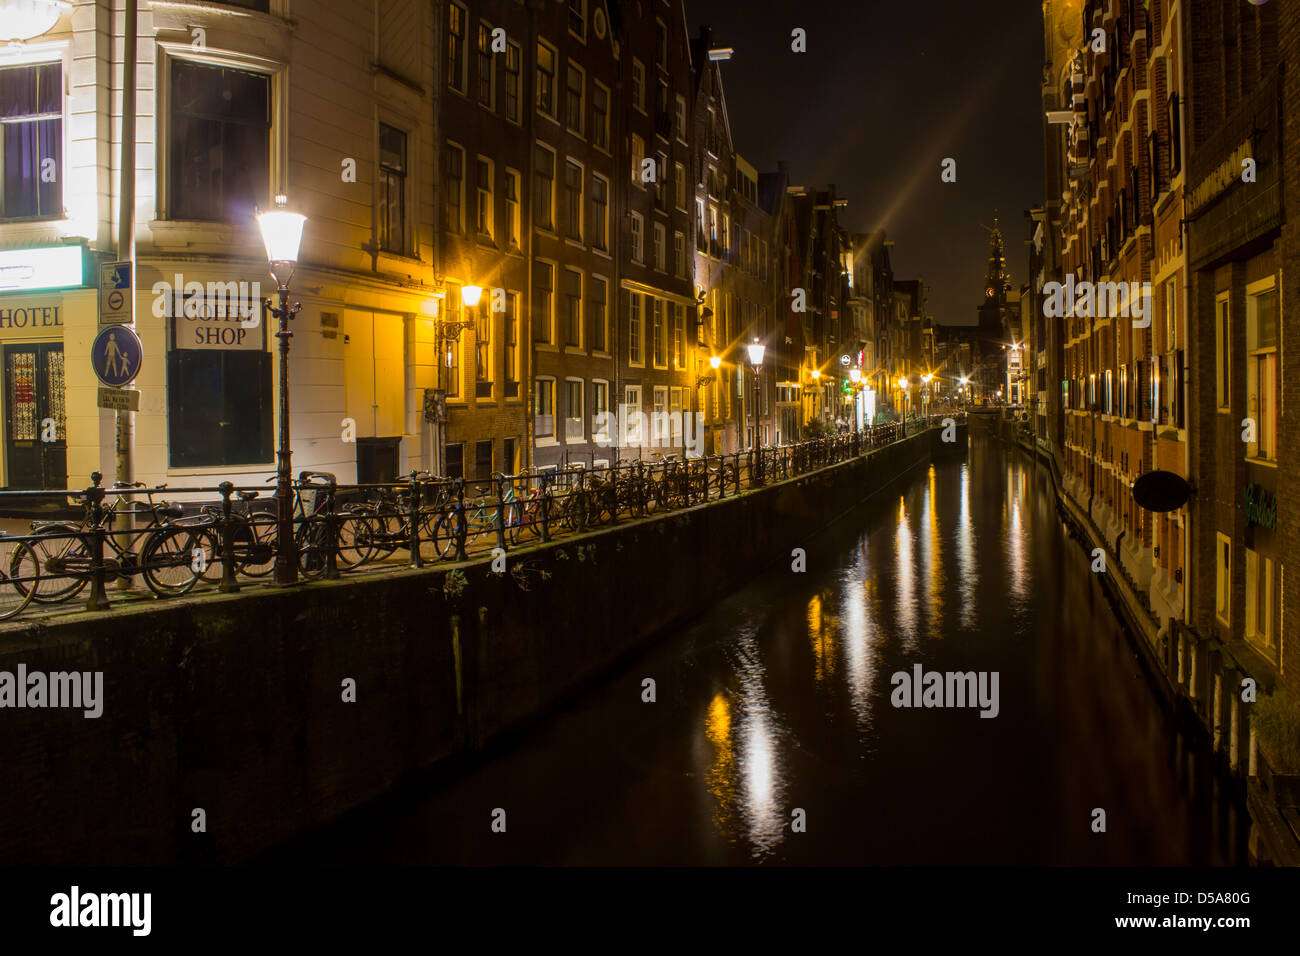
(132, 535)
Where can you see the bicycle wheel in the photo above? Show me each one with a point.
(255, 546)
(71, 550)
(18, 566)
(444, 534)
(171, 559)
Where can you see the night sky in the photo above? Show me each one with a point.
(886, 91)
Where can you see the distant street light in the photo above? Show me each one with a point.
(282, 235)
(756, 350)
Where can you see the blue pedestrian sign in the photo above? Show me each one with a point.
(116, 355)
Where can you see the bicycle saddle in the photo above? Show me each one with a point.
(246, 495)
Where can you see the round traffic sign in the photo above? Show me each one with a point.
(115, 300)
(116, 355)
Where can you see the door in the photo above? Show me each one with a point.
(36, 440)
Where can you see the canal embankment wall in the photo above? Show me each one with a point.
(232, 723)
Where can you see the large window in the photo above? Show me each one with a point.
(599, 225)
(544, 415)
(392, 189)
(483, 350)
(483, 197)
(679, 255)
(512, 208)
(679, 336)
(456, 47)
(513, 73)
(454, 189)
(572, 307)
(512, 344)
(637, 225)
(638, 84)
(1223, 579)
(1223, 351)
(546, 79)
(1261, 602)
(599, 115)
(219, 407)
(543, 188)
(451, 347)
(634, 330)
(660, 241)
(574, 99)
(1262, 367)
(31, 117)
(573, 200)
(486, 76)
(220, 143)
(543, 304)
(598, 296)
(660, 343)
(573, 430)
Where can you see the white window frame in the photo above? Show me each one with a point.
(1253, 291)
(547, 382)
(490, 235)
(581, 437)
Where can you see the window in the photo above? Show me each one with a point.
(661, 170)
(681, 119)
(638, 158)
(1223, 579)
(545, 79)
(598, 307)
(486, 75)
(573, 200)
(660, 415)
(632, 401)
(599, 115)
(638, 237)
(512, 344)
(1109, 394)
(679, 336)
(544, 188)
(456, 47)
(679, 255)
(454, 189)
(573, 430)
(1261, 611)
(660, 335)
(543, 304)
(638, 85)
(634, 329)
(512, 208)
(661, 44)
(544, 416)
(599, 409)
(1223, 353)
(1124, 410)
(451, 358)
(220, 144)
(572, 307)
(392, 189)
(513, 73)
(508, 463)
(219, 407)
(701, 240)
(1262, 367)
(1175, 137)
(679, 184)
(456, 460)
(660, 242)
(574, 99)
(483, 349)
(483, 459)
(483, 207)
(31, 117)
(1171, 316)
(578, 18)
(599, 225)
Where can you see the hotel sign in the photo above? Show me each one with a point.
(22, 321)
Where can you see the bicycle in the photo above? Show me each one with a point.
(172, 555)
(23, 568)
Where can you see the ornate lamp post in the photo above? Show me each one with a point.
(756, 349)
(282, 235)
(855, 377)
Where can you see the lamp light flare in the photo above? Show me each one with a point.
(470, 295)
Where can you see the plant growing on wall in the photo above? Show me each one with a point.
(1276, 719)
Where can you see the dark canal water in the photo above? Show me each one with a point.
(780, 698)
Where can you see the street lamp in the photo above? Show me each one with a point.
(756, 350)
(714, 363)
(855, 376)
(282, 235)
(925, 394)
(446, 334)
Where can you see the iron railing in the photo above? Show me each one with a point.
(227, 538)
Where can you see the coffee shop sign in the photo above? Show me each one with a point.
(1261, 507)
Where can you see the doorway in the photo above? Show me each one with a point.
(36, 438)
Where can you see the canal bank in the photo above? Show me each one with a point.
(1197, 678)
(232, 723)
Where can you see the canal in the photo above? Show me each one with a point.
(779, 700)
